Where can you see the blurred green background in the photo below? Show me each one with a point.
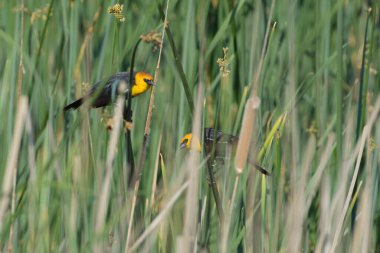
(315, 76)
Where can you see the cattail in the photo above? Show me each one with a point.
(246, 133)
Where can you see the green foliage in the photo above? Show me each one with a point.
(315, 84)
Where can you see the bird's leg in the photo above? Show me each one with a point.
(127, 115)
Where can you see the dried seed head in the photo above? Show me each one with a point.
(37, 14)
(372, 144)
(223, 63)
(117, 11)
(85, 87)
(312, 129)
(152, 37)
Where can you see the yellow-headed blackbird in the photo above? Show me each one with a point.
(224, 143)
(109, 89)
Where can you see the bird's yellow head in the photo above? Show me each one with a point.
(143, 81)
(187, 140)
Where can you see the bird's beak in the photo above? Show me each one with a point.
(150, 82)
(182, 146)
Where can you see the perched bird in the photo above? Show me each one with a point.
(224, 144)
(106, 90)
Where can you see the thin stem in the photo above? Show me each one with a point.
(128, 114)
(338, 90)
(362, 95)
(215, 192)
(177, 61)
(137, 176)
(42, 39)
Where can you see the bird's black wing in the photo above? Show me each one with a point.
(107, 92)
(210, 134)
(104, 90)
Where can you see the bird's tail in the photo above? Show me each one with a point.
(259, 167)
(74, 105)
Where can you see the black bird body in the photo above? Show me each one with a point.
(104, 92)
(224, 146)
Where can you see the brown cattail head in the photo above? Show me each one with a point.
(246, 133)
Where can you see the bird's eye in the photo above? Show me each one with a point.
(149, 81)
(185, 141)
